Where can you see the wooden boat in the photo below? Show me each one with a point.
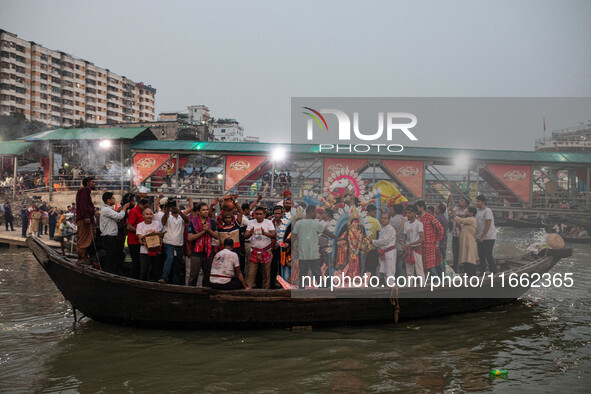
(522, 223)
(111, 298)
(576, 240)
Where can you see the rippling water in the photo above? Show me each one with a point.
(544, 340)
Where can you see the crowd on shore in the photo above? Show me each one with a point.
(235, 245)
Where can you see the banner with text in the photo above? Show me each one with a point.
(516, 178)
(408, 173)
(239, 167)
(145, 164)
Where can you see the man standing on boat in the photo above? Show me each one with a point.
(305, 233)
(412, 248)
(136, 216)
(486, 234)
(108, 222)
(397, 222)
(386, 244)
(462, 212)
(173, 222)
(433, 231)
(85, 217)
(260, 231)
(202, 230)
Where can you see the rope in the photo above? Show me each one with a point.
(394, 301)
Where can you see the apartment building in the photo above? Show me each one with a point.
(61, 90)
(228, 130)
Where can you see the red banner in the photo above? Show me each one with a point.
(408, 173)
(145, 164)
(333, 165)
(239, 167)
(516, 178)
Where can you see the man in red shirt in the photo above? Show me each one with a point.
(136, 216)
(85, 217)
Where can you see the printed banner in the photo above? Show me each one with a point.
(145, 164)
(333, 165)
(239, 167)
(515, 177)
(408, 173)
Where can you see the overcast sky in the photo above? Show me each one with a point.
(246, 59)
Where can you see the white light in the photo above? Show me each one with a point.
(278, 154)
(105, 144)
(220, 176)
(462, 161)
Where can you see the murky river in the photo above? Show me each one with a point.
(543, 340)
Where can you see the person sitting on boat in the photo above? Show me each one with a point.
(468, 248)
(225, 269)
(386, 244)
(583, 233)
(260, 231)
(202, 231)
(148, 257)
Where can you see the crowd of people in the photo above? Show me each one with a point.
(40, 219)
(236, 245)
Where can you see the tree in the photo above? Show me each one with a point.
(16, 126)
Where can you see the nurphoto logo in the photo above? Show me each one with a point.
(392, 121)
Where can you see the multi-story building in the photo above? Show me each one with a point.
(228, 130)
(59, 89)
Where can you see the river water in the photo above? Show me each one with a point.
(543, 340)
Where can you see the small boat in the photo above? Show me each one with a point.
(524, 223)
(577, 240)
(115, 299)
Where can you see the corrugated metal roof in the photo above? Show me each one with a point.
(440, 154)
(11, 148)
(114, 133)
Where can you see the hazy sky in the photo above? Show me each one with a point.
(246, 59)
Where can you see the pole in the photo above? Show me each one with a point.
(272, 177)
(587, 188)
(50, 171)
(14, 177)
(122, 168)
(178, 185)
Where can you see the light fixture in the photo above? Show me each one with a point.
(278, 154)
(105, 144)
(220, 176)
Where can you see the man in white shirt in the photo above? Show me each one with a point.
(386, 244)
(173, 222)
(225, 271)
(108, 222)
(486, 234)
(414, 238)
(260, 231)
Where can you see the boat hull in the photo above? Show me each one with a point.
(110, 298)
